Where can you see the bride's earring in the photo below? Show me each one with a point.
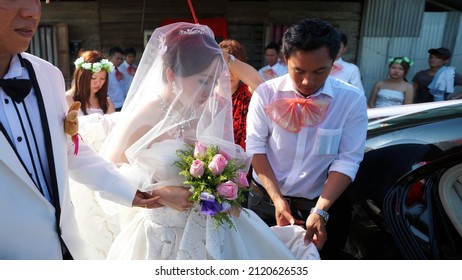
(174, 89)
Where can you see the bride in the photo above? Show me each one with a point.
(181, 94)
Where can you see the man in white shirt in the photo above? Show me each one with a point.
(117, 86)
(306, 132)
(128, 67)
(274, 68)
(346, 71)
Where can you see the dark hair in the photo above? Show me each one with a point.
(130, 50)
(309, 35)
(235, 48)
(82, 81)
(343, 38)
(273, 46)
(115, 50)
(186, 53)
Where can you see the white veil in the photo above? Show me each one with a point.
(181, 90)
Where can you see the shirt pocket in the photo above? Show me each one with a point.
(327, 141)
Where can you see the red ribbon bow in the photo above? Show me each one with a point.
(119, 76)
(131, 70)
(293, 113)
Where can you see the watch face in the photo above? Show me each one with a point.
(321, 213)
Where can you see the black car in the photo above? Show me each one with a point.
(408, 191)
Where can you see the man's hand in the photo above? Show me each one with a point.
(315, 231)
(146, 200)
(283, 215)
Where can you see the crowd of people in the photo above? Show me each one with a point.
(298, 124)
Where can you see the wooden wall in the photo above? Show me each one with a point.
(106, 23)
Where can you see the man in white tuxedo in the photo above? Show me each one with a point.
(36, 214)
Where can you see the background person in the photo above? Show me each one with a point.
(244, 80)
(128, 67)
(273, 68)
(90, 84)
(395, 90)
(346, 71)
(117, 89)
(439, 78)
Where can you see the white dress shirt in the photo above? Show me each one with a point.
(116, 89)
(347, 72)
(128, 77)
(22, 123)
(301, 161)
(278, 70)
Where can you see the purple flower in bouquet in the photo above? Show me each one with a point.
(197, 168)
(228, 190)
(209, 205)
(218, 164)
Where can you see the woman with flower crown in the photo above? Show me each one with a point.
(96, 118)
(90, 84)
(181, 96)
(395, 90)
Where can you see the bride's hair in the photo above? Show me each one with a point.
(188, 51)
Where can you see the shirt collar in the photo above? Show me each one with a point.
(15, 70)
(287, 85)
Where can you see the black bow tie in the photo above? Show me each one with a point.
(17, 89)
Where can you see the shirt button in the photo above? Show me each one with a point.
(7, 101)
(19, 138)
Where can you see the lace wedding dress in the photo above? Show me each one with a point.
(98, 227)
(165, 233)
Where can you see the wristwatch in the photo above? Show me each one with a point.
(321, 213)
(231, 59)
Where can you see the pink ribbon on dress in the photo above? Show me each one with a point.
(293, 113)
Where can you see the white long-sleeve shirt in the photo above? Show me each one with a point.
(301, 161)
(347, 72)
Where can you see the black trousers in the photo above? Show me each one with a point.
(338, 227)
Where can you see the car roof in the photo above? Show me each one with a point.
(378, 115)
(422, 114)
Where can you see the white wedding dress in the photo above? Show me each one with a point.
(389, 97)
(164, 233)
(98, 227)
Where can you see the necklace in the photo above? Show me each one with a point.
(177, 120)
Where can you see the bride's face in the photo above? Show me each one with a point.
(197, 88)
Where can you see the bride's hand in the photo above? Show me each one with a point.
(175, 197)
(146, 200)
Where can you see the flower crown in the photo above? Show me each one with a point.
(96, 67)
(400, 60)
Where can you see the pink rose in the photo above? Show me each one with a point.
(197, 168)
(242, 180)
(228, 190)
(199, 149)
(225, 154)
(218, 164)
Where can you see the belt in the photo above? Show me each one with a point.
(299, 203)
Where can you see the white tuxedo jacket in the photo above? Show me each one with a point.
(27, 220)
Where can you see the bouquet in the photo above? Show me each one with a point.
(217, 181)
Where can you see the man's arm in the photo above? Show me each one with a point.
(265, 173)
